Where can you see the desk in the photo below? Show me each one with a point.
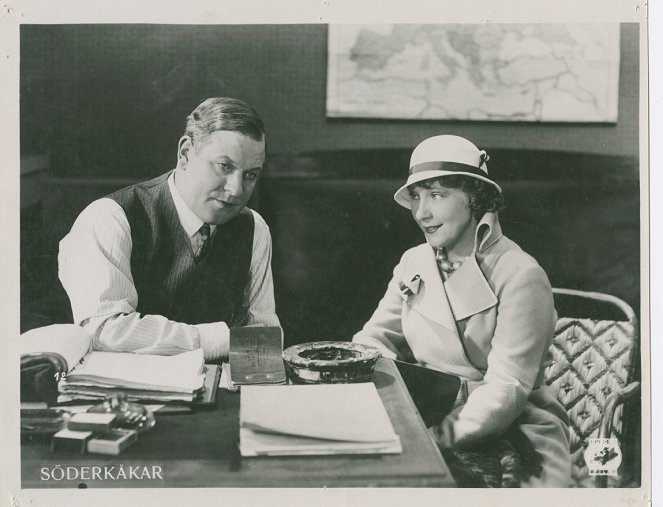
(200, 450)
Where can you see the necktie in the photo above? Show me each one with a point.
(204, 232)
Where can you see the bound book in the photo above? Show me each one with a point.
(315, 419)
(255, 356)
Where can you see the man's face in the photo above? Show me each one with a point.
(219, 174)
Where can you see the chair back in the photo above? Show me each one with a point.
(591, 359)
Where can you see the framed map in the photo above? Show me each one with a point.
(487, 72)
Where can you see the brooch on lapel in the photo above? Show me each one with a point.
(410, 288)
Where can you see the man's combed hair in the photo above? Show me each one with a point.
(484, 197)
(223, 113)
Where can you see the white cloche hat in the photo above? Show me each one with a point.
(444, 155)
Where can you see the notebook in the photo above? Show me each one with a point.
(434, 392)
(315, 419)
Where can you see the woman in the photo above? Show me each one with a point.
(470, 302)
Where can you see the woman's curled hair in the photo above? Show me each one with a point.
(483, 196)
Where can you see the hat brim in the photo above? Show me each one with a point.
(401, 196)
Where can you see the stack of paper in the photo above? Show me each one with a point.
(140, 376)
(315, 419)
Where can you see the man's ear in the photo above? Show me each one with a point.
(184, 146)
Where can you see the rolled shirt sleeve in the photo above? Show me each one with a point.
(259, 293)
(95, 270)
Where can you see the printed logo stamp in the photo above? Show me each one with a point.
(603, 456)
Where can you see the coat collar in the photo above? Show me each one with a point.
(465, 293)
(430, 299)
(487, 233)
(468, 290)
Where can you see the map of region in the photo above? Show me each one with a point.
(488, 72)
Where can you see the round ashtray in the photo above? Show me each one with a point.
(330, 362)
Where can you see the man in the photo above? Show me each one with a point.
(168, 265)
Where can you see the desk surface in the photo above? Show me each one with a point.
(200, 450)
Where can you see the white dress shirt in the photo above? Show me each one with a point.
(95, 269)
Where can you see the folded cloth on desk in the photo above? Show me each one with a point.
(39, 378)
(47, 355)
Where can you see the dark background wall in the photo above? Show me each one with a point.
(110, 100)
(105, 105)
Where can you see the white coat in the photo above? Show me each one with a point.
(491, 323)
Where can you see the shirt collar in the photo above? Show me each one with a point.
(189, 220)
(488, 231)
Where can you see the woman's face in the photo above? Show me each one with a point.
(445, 217)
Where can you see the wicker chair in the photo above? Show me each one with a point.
(593, 366)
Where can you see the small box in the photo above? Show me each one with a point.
(85, 421)
(113, 442)
(71, 441)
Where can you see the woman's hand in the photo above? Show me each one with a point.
(443, 433)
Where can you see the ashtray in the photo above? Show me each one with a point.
(330, 362)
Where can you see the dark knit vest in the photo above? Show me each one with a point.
(168, 280)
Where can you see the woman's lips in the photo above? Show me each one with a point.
(432, 229)
(224, 203)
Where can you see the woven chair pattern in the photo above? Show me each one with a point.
(590, 360)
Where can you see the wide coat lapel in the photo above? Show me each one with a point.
(468, 291)
(430, 300)
(465, 293)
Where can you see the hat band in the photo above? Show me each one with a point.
(447, 166)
